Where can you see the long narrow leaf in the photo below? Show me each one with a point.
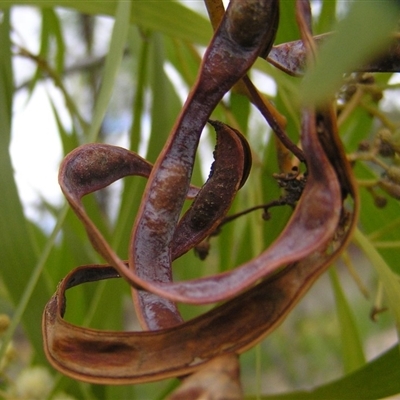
(361, 44)
(352, 352)
(17, 252)
(390, 280)
(166, 16)
(113, 61)
(378, 379)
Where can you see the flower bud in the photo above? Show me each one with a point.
(390, 187)
(4, 323)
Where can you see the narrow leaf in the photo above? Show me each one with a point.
(166, 16)
(112, 64)
(352, 351)
(366, 32)
(378, 379)
(389, 279)
(18, 254)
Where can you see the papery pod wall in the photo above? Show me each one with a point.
(302, 98)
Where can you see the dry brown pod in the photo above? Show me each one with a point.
(256, 296)
(235, 326)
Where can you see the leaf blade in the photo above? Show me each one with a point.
(362, 43)
(352, 352)
(112, 64)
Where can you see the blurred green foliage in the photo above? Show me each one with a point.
(324, 344)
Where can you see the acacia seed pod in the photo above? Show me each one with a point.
(246, 22)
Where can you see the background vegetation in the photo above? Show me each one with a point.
(124, 83)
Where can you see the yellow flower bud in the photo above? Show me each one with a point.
(4, 323)
(34, 383)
